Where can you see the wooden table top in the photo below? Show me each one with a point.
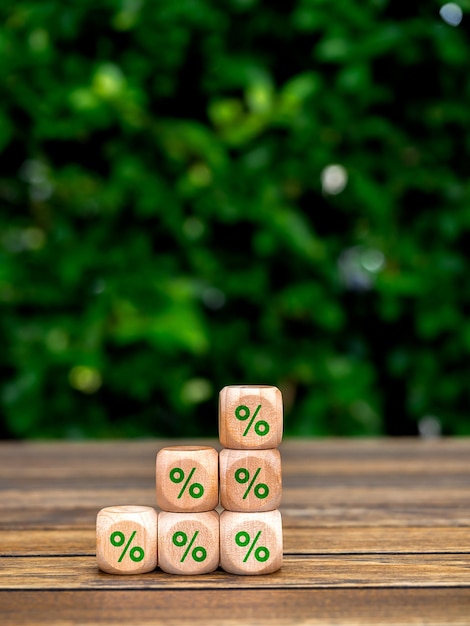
(375, 532)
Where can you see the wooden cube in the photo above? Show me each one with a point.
(188, 543)
(251, 543)
(250, 417)
(250, 480)
(187, 479)
(126, 539)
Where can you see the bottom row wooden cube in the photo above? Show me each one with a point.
(128, 541)
(188, 543)
(251, 543)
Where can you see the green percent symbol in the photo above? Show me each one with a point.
(118, 538)
(261, 427)
(243, 539)
(180, 539)
(261, 490)
(196, 490)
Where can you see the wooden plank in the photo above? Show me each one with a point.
(69, 508)
(15, 486)
(351, 511)
(334, 516)
(379, 570)
(303, 540)
(64, 542)
(326, 483)
(367, 607)
(380, 540)
(366, 456)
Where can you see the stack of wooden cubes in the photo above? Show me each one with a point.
(188, 536)
(250, 429)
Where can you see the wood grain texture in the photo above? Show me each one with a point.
(297, 540)
(375, 532)
(301, 572)
(360, 483)
(367, 607)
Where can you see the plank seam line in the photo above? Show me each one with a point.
(235, 588)
(382, 553)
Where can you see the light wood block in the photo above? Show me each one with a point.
(250, 480)
(187, 479)
(188, 543)
(126, 539)
(251, 543)
(250, 417)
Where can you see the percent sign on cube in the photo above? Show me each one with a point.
(243, 539)
(198, 554)
(261, 427)
(196, 490)
(260, 490)
(136, 553)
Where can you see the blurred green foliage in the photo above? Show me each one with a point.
(195, 193)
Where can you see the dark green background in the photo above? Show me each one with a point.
(165, 230)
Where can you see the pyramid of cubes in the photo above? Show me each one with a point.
(188, 535)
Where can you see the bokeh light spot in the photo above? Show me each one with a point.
(451, 13)
(196, 390)
(334, 179)
(85, 379)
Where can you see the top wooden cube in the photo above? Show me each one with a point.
(250, 417)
